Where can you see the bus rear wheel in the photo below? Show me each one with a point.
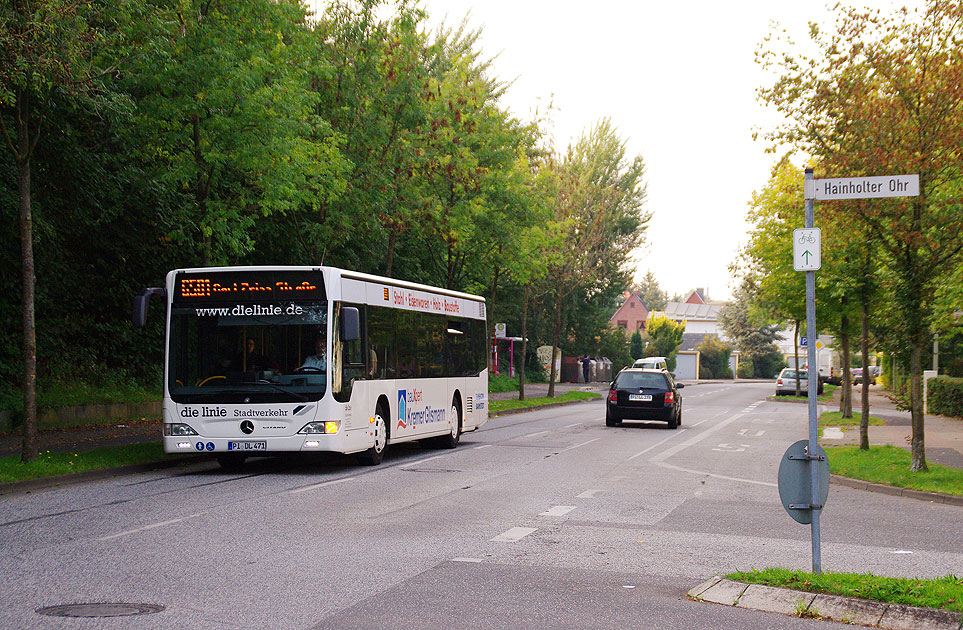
(374, 455)
(451, 440)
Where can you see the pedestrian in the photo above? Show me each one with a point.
(586, 367)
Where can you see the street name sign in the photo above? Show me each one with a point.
(806, 249)
(875, 187)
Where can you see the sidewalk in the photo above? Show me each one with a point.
(942, 436)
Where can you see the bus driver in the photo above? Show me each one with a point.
(317, 361)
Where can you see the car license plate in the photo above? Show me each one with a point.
(640, 397)
(247, 446)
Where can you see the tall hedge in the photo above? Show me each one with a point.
(945, 396)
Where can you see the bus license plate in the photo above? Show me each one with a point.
(247, 446)
(641, 397)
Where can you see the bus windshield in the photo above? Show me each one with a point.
(248, 349)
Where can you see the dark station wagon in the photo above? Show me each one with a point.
(640, 394)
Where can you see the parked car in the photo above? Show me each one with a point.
(858, 376)
(786, 382)
(651, 363)
(644, 394)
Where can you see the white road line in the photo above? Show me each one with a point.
(569, 426)
(588, 494)
(715, 476)
(472, 560)
(148, 527)
(514, 534)
(656, 444)
(535, 434)
(318, 485)
(478, 448)
(578, 445)
(664, 455)
(558, 510)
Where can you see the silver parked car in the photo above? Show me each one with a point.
(786, 382)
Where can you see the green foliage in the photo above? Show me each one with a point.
(746, 368)
(54, 464)
(945, 396)
(497, 406)
(714, 358)
(666, 338)
(944, 593)
(636, 348)
(890, 465)
(652, 295)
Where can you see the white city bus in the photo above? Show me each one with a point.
(401, 361)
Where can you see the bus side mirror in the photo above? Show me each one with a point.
(140, 305)
(350, 324)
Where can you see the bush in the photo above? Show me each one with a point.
(746, 368)
(714, 358)
(945, 396)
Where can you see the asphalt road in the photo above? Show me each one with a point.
(546, 519)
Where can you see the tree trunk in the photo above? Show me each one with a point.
(846, 395)
(917, 448)
(30, 445)
(864, 401)
(556, 333)
(521, 367)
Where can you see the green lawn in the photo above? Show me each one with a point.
(56, 464)
(826, 396)
(497, 406)
(890, 465)
(945, 593)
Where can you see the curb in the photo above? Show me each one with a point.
(851, 610)
(932, 497)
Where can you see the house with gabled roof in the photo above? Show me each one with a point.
(632, 315)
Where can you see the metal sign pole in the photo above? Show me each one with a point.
(813, 379)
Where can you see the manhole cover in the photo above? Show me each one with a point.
(99, 610)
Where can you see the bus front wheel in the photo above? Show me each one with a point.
(374, 455)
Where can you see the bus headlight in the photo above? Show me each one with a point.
(328, 426)
(178, 429)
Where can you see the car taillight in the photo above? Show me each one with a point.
(669, 398)
(613, 396)
(778, 381)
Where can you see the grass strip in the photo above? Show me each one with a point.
(50, 464)
(836, 419)
(826, 396)
(945, 593)
(497, 406)
(890, 465)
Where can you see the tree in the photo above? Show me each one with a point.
(666, 338)
(883, 95)
(652, 295)
(636, 348)
(598, 205)
(754, 340)
(49, 48)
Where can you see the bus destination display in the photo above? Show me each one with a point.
(248, 286)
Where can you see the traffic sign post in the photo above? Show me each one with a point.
(807, 257)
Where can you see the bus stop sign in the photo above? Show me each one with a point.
(794, 480)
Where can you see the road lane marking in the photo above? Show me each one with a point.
(478, 448)
(558, 510)
(148, 527)
(577, 424)
(695, 439)
(713, 475)
(578, 445)
(534, 434)
(324, 484)
(677, 434)
(514, 534)
(472, 560)
(588, 494)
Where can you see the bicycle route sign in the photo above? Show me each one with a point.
(806, 246)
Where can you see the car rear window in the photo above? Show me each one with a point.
(641, 380)
(792, 374)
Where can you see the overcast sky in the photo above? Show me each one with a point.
(678, 80)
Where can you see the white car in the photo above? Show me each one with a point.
(651, 363)
(786, 382)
